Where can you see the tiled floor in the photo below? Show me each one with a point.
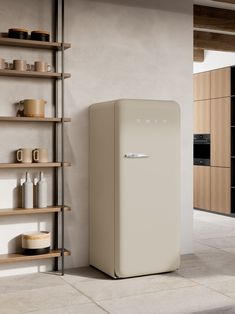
(205, 283)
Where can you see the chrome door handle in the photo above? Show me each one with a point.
(136, 155)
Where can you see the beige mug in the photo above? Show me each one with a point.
(20, 65)
(41, 66)
(3, 64)
(33, 108)
(24, 155)
(40, 155)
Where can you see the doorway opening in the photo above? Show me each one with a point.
(214, 107)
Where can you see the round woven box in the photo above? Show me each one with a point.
(35, 243)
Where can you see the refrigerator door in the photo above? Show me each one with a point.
(147, 187)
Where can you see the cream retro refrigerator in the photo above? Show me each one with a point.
(134, 187)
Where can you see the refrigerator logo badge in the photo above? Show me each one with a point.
(136, 155)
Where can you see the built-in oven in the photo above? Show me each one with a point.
(201, 149)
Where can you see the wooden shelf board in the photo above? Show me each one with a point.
(18, 257)
(33, 165)
(33, 74)
(27, 211)
(27, 119)
(27, 43)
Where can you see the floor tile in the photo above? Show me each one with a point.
(221, 257)
(208, 273)
(29, 282)
(205, 217)
(203, 230)
(229, 250)
(40, 299)
(202, 248)
(178, 301)
(86, 273)
(220, 310)
(226, 287)
(89, 308)
(76, 275)
(221, 242)
(117, 288)
(191, 260)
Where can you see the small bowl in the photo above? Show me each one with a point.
(18, 33)
(40, 35)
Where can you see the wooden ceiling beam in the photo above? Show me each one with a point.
(214, 18)
(225, 1)
(198, 55)
(214, 41)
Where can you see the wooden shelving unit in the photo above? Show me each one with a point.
(32, 211)
(58, 163)
(18, 257)
(33, 74)
(27, 43)
(26, 119)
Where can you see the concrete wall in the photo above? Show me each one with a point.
(214, 60)
(130, 49)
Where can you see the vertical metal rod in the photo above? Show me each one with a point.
(55, 133)
(62, 133)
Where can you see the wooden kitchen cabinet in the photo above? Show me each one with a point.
(220, 132)
(202, 187)
(202, 86)
(220, 190)
(202, 117)
(221, 83)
